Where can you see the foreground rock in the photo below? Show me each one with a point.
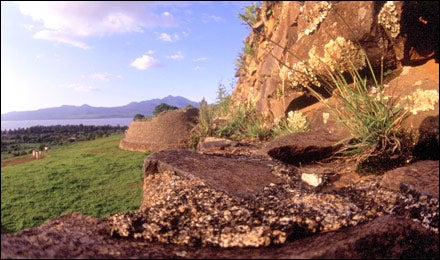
(188, 213)
(77, 236)
(251, 201)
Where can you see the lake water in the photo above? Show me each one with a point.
(6, 125)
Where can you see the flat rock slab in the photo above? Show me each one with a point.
(423, 176)
(303, 148)
(240, 177)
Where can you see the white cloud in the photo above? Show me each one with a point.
(165, 37)
(168, 38)
(197, 68)
(201, 59)
(71, 22)
(29, 27)
(185, 33)
(57, 37)
(208, 18)
(82, 88)
(177, 56)
(101, 76)
(216, 18)
(145, 62)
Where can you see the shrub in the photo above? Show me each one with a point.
(294, 123)
(374, 120)
(250, 15)
(138, 117)
(163, 107)
(203, 127)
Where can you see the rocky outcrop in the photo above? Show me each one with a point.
(253, 201)
(168, 129)
(293, 43)
(77, 236)
(239, 204)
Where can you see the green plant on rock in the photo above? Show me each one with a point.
(374, 119)
(243, 122)
(250, 15)
(294, 123)
(203, 127)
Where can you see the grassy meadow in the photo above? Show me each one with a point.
(94, 177)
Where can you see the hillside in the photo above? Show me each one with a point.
(145, 108)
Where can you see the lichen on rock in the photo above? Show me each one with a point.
(339, 55)
(316, 15)
(389, 18)
(421, 100)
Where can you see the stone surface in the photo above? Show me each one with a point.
(242, 177)
(303, 148)
(422, 176)
(190, 199)
(78, 236)
(402, 33)
(427, 146)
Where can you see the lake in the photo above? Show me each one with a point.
(7, 125)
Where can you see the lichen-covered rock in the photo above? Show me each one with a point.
(297, 43)
(192, 199)
(75, 236)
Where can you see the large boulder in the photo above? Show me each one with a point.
(253, 201)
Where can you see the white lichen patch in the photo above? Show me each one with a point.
(389, 18)
(421, 100)
(325, 117)
(297, 121)
(316, 15)
(339, 55)
(302, 74)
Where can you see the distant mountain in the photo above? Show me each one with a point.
(145, 108)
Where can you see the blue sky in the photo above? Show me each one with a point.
(112, 53)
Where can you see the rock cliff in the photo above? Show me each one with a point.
(293, 43)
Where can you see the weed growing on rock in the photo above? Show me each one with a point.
(294, 123)
(374, 119)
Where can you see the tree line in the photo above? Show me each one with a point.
(22, 141)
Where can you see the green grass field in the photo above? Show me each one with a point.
(95, 178)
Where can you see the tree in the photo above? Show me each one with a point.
(163, 107)
(139, 117)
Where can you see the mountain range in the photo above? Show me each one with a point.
(145, 108)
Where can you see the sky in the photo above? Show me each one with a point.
(107, 54)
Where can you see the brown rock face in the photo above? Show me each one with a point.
(169, 129)
(422, 175)
(291, 34)
(303, 148)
